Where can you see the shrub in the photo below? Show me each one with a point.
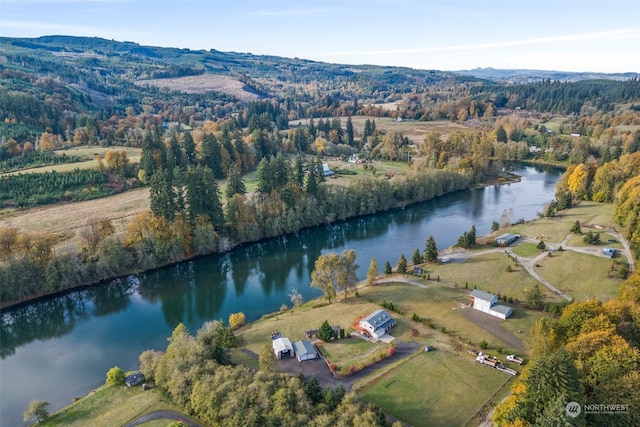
(415, 317)
(443, 330)
(541, 245)
(237, 320)
(484, 344)
(509, 269)
(352, 369)
(391, 351)
(115, 376)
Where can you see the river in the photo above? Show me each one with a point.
(62, 347)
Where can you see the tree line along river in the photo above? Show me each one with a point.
(61, 347)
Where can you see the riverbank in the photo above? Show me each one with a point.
(446, 325)
(224, 244)
(92, 330)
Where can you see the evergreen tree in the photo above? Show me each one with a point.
(349, 132)
(401, 267)
(416, 258)
(211, 155)
(472, 235)
(431, 250)
(495, 226)
(575, 228)
(325, 332)
(299, 172)
(235, 185)
(162, 195)
(387, 268)
(313, 390)
(189, 149)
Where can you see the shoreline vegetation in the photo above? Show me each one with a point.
(438, 320)
(438, 183)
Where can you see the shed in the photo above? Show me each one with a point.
(378, 323)
(282, 346)
(488, 303)
(305, 350)
(608, 252)
(134, 379)
(326, 171)
(506, 239)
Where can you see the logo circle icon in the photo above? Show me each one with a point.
(573, 409)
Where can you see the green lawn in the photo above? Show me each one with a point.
(110, 406)
(578, 240)
(526, 249)
(555, 229)
(489, 273)
(590, 280)
(437, 389)
(354, 351)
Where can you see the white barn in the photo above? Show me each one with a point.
(378, 323)
(488, 303)
(305, 350)
(282, 346)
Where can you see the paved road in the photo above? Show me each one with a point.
(163, 415)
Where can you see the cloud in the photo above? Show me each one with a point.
(630, 33)
(296, 11)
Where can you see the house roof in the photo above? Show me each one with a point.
(506, 236)
(304, 347)
(477, 293)
(608, 250)
(377, 318)
(502, 309)
(282, 344)
(134, 379)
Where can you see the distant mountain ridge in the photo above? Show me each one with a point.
(530, 76)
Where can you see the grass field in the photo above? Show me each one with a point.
(526, 250)
(347, 352)
(437, 389)
(556, 229)
(88, 156)
(589, 281)
(111, 406)
(489, 273)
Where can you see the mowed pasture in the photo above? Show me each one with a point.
(438, 388)
(69, 218)
(588, 281)
(112, 405)
(88, 156)
(490, 273)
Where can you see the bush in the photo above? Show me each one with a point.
(391, 351)
(484, 344)
(237, 320)
(115, 376)
(509, 269)
(541, 246)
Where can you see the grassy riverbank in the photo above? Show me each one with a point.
(110, 406)
(447, 378)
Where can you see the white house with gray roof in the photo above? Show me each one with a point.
(488, 303)
(378, 323)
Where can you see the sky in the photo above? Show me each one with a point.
(561, 35)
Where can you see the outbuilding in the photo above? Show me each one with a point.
(281, 347)
(506, 239)
(608, 252)
(134, 379)
(305, 350)
(488, 303)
